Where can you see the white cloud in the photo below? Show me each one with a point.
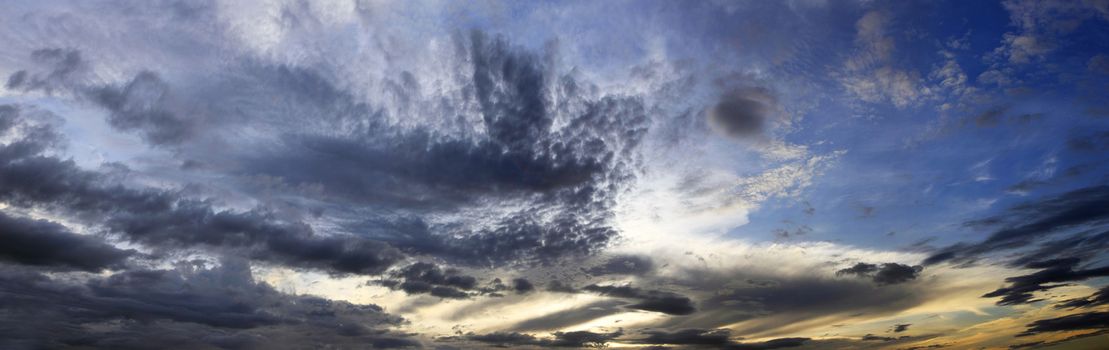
(870, 74)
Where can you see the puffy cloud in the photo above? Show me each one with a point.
(1041, 24)
(870, 73)
(899, 87)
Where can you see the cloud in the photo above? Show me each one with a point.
(769, 304)
(526, 154)
(744, 112)
(427, 278)
(901, 327)
(871, 337)
(780, 343)
(1052, 274)
(522, 286)
(647, 300)
(712, 338)
(163, 219)
(886, 84)
(190, 306)
(1083, 321)
(45, 243)
(1045, 343)
(1101, 297)
(1041, 24)
(1090, 142)
(570, 317)
(575, 339)
(1023, 48)
(690, 336)
(140, 106)
(144, 104)
(1025, 224)
(344, 138)
(888, 273)
(633, 265)
(870, 74)
(518, 138)
(61, 69)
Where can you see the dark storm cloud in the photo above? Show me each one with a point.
(427, 278)
(1101, 297)
(690, 336)
(1083, 321)
(1052, 274)
(45, 243)
(522, 286)
(1023, 225)
(164, 219)
(743, 112)
(712, 338)
(898, 328)
(647, 300)
(141, 106)
(623, 265)
(885, 274)
(60, 67)
(577, 339)
(187, 307)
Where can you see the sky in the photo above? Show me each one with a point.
(349, 174)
